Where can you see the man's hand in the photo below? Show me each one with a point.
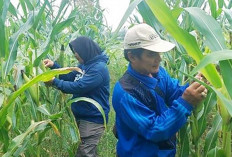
(195, 93)
(201, 77)
(48, 63)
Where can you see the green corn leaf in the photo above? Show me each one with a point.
(229, 5)
(128, 12)
(149, 17)
(1, 6)
(225, 101)
(42, 135)
(50, 7)
(22, 147)
(13, 11)
(198, 3)
(214, 38)
(18, 140)
(62, 5)
(213, 8)
(38, 17)
(209, 104)
(44, 110)
(164, 15)
(214, 57)
(220, 3)
(176, 12)
(56, 30)
(23, 5)
(63, 14)
(60, 26)
(56, 116)
(216, 152)
(42, 77)
(4, 138)
(184, 68)
(95, 103)
(75, 135)
(3, 39)
(1, 99)
(184, 142)
(212, 135)
(6, 5)
(226, 69)
(29, 5)
(14, 43)
(228, 14)
(209, 27)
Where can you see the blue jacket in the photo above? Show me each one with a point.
(146, 122)
(93, 84)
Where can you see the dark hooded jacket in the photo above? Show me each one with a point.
(94, 83)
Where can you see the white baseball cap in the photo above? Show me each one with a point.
(144, 36)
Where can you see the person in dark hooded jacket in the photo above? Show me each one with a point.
(94, 84)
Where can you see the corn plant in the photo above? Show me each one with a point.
(34, 115)
(177, 21)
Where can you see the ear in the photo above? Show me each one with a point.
(131, 57)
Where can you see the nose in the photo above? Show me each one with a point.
(158, 58)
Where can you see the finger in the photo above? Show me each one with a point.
(195, 85)
(198, 77)
(205, 91)
(201, 88)
(203, 94)
(199, 74)
(46, 64)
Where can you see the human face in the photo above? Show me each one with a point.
(147, 64)
(80, 60)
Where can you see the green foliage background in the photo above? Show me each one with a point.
(39, 117)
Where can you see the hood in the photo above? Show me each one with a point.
(86, 48)
(99, 58)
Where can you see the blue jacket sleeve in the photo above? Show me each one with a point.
(66, 77)
(88, 82)
(55, 66)
(146, 122)
(173, 89)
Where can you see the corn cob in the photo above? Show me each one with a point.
(33, 90)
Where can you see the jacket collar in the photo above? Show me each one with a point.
(99, 58)
(150, 82)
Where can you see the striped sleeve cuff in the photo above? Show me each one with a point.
(183, 102)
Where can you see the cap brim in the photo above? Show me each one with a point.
(161, 46)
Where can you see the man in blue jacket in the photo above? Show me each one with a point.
(150, 106)
(94, 84)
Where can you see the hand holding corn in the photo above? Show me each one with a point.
(48, 63)
(196, 92)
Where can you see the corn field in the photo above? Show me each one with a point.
(36, 120)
